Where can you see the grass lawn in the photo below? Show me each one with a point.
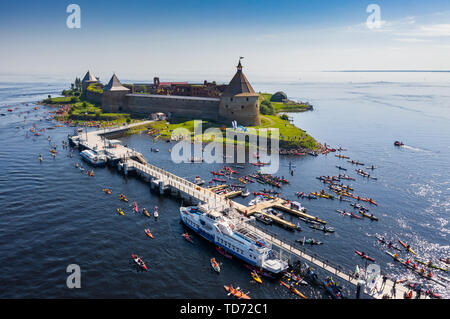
(284, 107)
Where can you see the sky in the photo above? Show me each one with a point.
(199, 39)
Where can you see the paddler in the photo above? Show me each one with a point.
(430, 274)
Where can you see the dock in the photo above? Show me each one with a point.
(128, 160)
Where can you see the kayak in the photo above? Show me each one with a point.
(297, 279)
(236, 292)
(107, 191)
(293, 290)
(406, 246)
(215, 265)
(223, 252)
(341, 168)
(333, 289)
(383, 241)
(370, 216)
(447, 261)
(256, 277)
(362, 255)
(416, 270)
(135, 207)
(139, 261)
(187, 237)
(123, 198)
(322, 228)
(430, 265)
(149, 234)
(309, 241)
(428, 292)
(145, 212)
(120, 212)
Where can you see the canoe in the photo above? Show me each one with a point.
(215, 265)
(139, 261)
(322, 228)
(236, 292)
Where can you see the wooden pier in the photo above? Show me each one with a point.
(128, 160)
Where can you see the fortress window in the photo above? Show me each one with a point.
(247, 99)
(231, 99)
(242, 107)
(232, 112)
(226, 106)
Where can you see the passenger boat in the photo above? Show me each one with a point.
(93, 158)
(235, 239)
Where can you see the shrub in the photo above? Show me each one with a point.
(74, 99)
(284, 117)
(266, 108)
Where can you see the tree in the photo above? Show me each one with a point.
(284, 117)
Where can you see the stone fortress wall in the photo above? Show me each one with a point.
(238, 102)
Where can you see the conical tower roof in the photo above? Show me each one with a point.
(239, 84)
(89, 77)
(115, 85)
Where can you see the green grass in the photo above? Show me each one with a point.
(287, 131)
(284, 107)
(58, 100)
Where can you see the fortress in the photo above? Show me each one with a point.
(222, 103)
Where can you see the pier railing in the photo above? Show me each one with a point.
(296, 249)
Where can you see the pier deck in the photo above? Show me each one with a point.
(94, 141)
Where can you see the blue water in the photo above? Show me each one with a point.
(53, 215)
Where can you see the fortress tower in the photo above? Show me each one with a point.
(114, 96)
(87, 80)
(239, 101)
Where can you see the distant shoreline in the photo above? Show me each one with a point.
(389, 71)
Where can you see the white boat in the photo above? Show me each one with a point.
(245, 193)
(298, 206)
(155, 213)
(198, 181)
(93, 158)
(257, 200)
(235, 239)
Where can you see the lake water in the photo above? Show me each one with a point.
(52, 215)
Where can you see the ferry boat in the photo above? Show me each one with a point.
(93, 158)
(234, 239)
